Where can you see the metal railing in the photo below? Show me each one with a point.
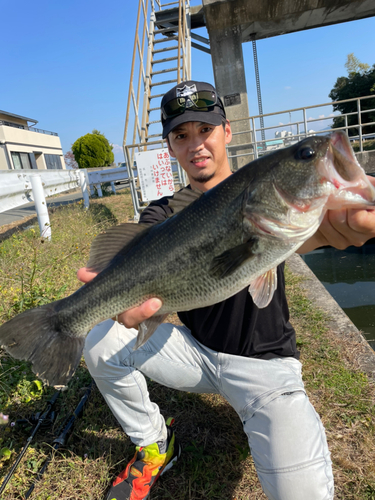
(300, 128)
(25, 127)
(178, 174)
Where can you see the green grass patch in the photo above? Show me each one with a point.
(214, 445)
(367, 145)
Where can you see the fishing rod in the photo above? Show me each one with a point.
(63, 435)
(41, 419)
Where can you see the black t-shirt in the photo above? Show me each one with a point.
(236, 325)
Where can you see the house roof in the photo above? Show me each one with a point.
(19, 116)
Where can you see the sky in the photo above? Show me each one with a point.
(67, 65)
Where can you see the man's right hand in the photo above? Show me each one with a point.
(132, 317)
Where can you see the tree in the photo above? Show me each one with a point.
(70, 161)
(360, 82)
(93, 150)
(353, 65)
(108, 146)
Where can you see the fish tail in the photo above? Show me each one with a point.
(36, 336)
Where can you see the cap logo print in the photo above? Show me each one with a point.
(187, 91)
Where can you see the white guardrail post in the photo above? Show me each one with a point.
(83, 184)
(41, 206)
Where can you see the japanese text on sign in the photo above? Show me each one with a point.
(155, 174)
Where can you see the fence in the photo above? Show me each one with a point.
(25, 127)
(297, 129)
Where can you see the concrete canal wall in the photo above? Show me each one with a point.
(338, 322)
(367, 161)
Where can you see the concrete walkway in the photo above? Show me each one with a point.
(19, 213)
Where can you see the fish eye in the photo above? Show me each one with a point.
(305, 153)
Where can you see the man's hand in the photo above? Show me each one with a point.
(342, 228)
(132, 317)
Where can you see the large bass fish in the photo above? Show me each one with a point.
(215, 244)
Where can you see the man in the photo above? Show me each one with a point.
(246, 354)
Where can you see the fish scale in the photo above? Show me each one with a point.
(215, 244)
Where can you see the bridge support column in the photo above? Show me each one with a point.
(230, 81)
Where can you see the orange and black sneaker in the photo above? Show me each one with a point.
(141, 473)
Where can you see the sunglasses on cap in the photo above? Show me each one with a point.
(202, 99)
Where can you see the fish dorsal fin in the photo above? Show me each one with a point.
(226, 263)
(183, 198)
(108, 244)
(263, 288)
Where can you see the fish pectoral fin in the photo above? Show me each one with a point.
(147, 328)
(183, 198)
(226, 263)
(107, 245)
(263, 288)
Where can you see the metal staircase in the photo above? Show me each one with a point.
(172, 36)
(161, 59)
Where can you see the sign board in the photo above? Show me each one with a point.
(232, 99)
(155, 174)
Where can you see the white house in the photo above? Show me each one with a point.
(22, 146)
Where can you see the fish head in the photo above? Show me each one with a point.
(323, 171)
(349, 185)
(316, 174)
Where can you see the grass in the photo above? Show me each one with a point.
(214, 445)
(368, 145)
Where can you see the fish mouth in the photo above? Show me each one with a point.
(345, 162)
(340, 169)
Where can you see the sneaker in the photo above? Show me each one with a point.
(141, 473)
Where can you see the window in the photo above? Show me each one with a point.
(53, 161)
(32, 160)
(21, 160)
(16, 161)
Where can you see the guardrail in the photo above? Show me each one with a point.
(16, 188)
(19, 187)
(98, 177)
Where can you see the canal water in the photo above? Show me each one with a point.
(349, 276)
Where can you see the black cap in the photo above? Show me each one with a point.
(214, 115)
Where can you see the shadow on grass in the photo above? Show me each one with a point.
(101, 213)
(212, 463)
(210, 433)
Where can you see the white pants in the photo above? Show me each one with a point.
(286, 437)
